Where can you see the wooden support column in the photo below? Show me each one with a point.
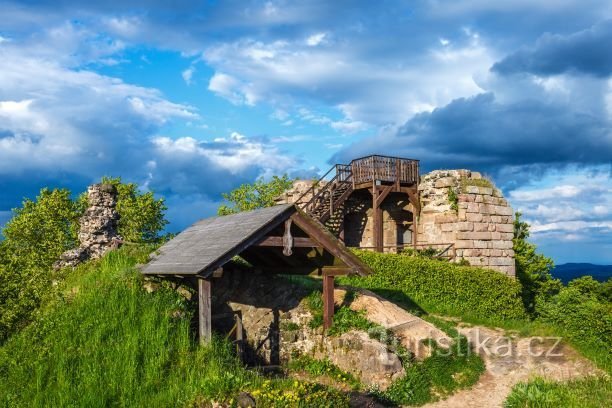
(204, 311)
(328, 301)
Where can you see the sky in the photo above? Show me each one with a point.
(190, 99)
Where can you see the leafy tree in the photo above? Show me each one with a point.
(141, 215)
(41, 230)
(256, 195)
(532, 269)
(35, 237)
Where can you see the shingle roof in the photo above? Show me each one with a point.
(210, 243)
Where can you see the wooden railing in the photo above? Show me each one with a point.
(385, 168)
(323, 188)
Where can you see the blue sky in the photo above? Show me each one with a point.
(194, 98)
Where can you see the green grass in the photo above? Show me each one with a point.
(593, 392)
(323, 368)
(438, 376)
(104, 341)
(482, 182)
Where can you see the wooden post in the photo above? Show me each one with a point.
(328, 301)
(377, 227)
(239, 335)
(204, 309)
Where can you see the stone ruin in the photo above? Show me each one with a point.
(459, 208)
(463, 208)
(98, 227)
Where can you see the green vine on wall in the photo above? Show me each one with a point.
(453, 199)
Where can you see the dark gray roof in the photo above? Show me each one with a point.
(210, 243)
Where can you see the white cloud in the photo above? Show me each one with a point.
(378, 91)
(234, 154)
(232, 89)
(315, 39)
(188, 74)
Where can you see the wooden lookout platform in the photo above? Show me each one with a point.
(276, 240)
(378, 175)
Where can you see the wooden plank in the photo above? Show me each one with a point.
(204, 311)
(298, 242)
(328, 301)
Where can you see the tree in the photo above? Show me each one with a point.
(256, 195)
(41, 230)
(35, 237)
(532, 269)
(142, 216)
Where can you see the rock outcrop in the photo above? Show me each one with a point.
(276, 321)
(98, 227)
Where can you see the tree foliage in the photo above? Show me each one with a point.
(255, 195)
(42, 229)
(141, 214)
(532, 269)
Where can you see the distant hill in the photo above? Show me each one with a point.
(569, 271)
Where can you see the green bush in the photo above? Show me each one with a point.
(583, 315)
(441, 287)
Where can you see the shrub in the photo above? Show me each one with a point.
(584, 316)
(590, 392)
(442, 287)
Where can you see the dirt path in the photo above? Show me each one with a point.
(512, 360)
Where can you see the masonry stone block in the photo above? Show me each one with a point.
(478, 198)
(445, 182)
(465, 226)
(481, 227)
(472, 207)
(505, 228)
(501, 261)
(501, 244)
(464, 244)
(474, 217)
(474, 235)
(502, 210)
(481, 244)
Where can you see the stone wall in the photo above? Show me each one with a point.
(479, 223)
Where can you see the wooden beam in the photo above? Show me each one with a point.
(298, 242)
(204, 311)
(319, 234)
(335, 270)
(328, 301)
(383, 192)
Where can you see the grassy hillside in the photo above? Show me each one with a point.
(104, 341)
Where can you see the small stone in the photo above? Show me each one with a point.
(245, 400)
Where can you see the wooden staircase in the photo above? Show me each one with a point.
(326, 196)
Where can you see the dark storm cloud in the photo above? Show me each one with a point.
(586, 52)
(481, 133)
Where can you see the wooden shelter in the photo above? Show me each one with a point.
(280, 239)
